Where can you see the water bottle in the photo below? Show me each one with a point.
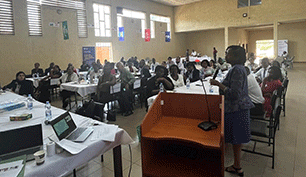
(211, 90)
(30, 102)
(188, 83)
(48, 113)
(161, 87)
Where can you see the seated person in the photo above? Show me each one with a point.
(55, 72)
(160, 77)
(255, 94)
(105, 82)
(130, 67)
(127, 83)
(47, 71)
(69, 65)
(222, 64)
(186, 62)
(176, 78)
(37, 70)
(169, 62)
(269, 85)
(206, 69)
(69, 76)
(262, 73)
(84, 66)
(94, 73)
(20, 85)
(164, 64)
(283, 71)
(212, 64)
(154, 64)
(192, 73)
(193, 53)
(100, 66)
(250, 63)
(178, 62)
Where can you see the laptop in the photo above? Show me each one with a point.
(64, 127)
(16, 142)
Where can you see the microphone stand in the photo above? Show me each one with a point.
(207, 125)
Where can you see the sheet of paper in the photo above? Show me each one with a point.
(71, 147)
(11, 169)
(106, 132)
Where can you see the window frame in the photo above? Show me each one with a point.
(7, 26)
(159, 18)
(249, 3)
(98, 13)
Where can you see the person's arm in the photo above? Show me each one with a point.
(237, 81)
(131, 79)
(10, 85)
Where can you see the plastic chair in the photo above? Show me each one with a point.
(289, 62)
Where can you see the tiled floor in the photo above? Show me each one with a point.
(290, 141)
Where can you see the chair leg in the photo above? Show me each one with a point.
(273, 153)
(284, 106)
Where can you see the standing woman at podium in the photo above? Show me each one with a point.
(237, 105)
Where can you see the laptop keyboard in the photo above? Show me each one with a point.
(76, 133)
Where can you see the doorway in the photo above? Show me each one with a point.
(104, 51)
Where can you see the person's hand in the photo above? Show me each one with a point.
(159, 80)
(265, 80)
(214, 82)
(127, 87)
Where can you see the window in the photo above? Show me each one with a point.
(264, 48)
(34, 14)
(102, 20)
(162, 19)
(132, 14)
(245, 3)
(6, 17)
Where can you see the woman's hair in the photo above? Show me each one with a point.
(247, 69)
(277, 74)
(159, 67)
(206, 62)
(238, 54)
(56, 66)
(191, 64)
(20, 72)
(174, 66)
(276, 63)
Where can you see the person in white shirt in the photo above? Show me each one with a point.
(176, 78)
(193, 53)
(69, 76)
(206, 69)
(263, 72)
(154, 64)
(255, 93)
(250, 63)
(179, 64)
(94, 74)
(169, 62)
(223, 65)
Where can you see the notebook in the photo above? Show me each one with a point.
(64, 127)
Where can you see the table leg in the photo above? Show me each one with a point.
(117, 161)
(102, 159)
(74, 173)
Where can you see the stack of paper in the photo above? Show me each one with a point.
(106, 132)
(11, 169)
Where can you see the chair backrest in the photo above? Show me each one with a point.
(284, 86)
(276, 118)
(275, 101)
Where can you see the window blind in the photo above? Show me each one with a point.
(34, 18)
(6, 17)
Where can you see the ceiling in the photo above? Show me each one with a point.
(175, 2)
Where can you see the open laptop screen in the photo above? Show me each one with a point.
(63, 125)
(21, 138)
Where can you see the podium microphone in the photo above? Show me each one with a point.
(216, 73)
(208, 125)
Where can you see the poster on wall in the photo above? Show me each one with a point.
(121, 33)
(282, 46)
(89, 55)
(147, 35)
(167, 36)
(65, 30)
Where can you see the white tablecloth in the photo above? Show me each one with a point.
(63, 163)
(193, 59)
(86, 89)
(36, 81)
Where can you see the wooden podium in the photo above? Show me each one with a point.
(173, 145)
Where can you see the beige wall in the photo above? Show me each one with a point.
(297, 43)
(212, 14)
(254, 35)
(204, 41)
(21, 51)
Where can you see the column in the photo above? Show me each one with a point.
(275, 37)
(225, 37)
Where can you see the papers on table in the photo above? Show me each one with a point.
(70, 146)
(11, 169)
(106, 132)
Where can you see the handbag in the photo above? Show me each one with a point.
(111, 114)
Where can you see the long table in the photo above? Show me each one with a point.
(36, 81)
(63, 163)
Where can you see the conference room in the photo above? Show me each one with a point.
(49, 59)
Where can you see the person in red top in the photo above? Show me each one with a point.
(269, 85)
(215, 53)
